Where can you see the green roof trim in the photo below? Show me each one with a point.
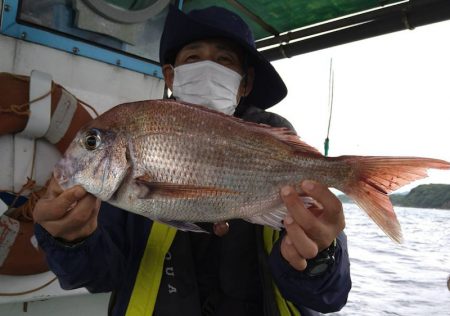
(287, 15)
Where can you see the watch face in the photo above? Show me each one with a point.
(319, 269)
(319, 266)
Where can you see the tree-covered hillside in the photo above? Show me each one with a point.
(423, 196)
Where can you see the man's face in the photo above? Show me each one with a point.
(221, 51)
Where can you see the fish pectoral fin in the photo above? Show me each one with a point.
(174, 190)
(184, 226)
(273, 219)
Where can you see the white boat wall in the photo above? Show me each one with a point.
(99, 84)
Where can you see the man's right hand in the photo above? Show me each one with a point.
(70, 215)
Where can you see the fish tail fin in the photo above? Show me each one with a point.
(373, 178)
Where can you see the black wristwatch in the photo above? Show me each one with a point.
(320, 264)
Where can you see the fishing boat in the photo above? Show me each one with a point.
(64, 62)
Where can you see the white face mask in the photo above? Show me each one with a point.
(207, 83)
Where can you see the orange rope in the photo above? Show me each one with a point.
(25, 211)
(22, 110)
(89, 106)
(19, 109)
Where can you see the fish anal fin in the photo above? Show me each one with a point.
(184, 226)
(175, 190)
(273, 220)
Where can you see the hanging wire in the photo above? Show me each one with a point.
(330, 105)
(30, 290)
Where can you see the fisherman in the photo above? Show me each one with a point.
(208, 57)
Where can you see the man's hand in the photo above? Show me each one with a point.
(310, 230)
(70, 214)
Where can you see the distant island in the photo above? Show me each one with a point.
(422, 196)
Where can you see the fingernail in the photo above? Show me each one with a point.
(288, 219)
(288, 240)
(308, 185)
(79, 193)
(286, 191)
(71, 206)
(221, 229)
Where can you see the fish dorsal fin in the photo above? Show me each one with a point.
(289, 137)
(283, 134)
(175, 190)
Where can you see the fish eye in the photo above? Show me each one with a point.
(92, 139)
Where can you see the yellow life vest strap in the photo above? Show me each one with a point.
(148, 279)
(285, 307)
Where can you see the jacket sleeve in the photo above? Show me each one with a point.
(98, 262)
(325, 294)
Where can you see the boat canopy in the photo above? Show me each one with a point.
(285, 28)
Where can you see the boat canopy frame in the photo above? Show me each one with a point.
(282, 28)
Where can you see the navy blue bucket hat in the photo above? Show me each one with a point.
(216, 22)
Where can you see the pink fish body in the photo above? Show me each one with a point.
(180, 164)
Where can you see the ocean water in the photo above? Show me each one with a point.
(399, 279)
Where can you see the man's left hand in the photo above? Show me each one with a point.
(310, 230)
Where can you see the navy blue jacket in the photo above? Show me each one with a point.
(109, 259)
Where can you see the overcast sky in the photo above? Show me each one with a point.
(391, 96)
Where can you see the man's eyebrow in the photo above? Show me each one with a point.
(193, 45)
(228, 48)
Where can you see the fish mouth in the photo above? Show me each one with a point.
(60, 173)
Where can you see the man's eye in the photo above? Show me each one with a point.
(191, 58)
(226, 60)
